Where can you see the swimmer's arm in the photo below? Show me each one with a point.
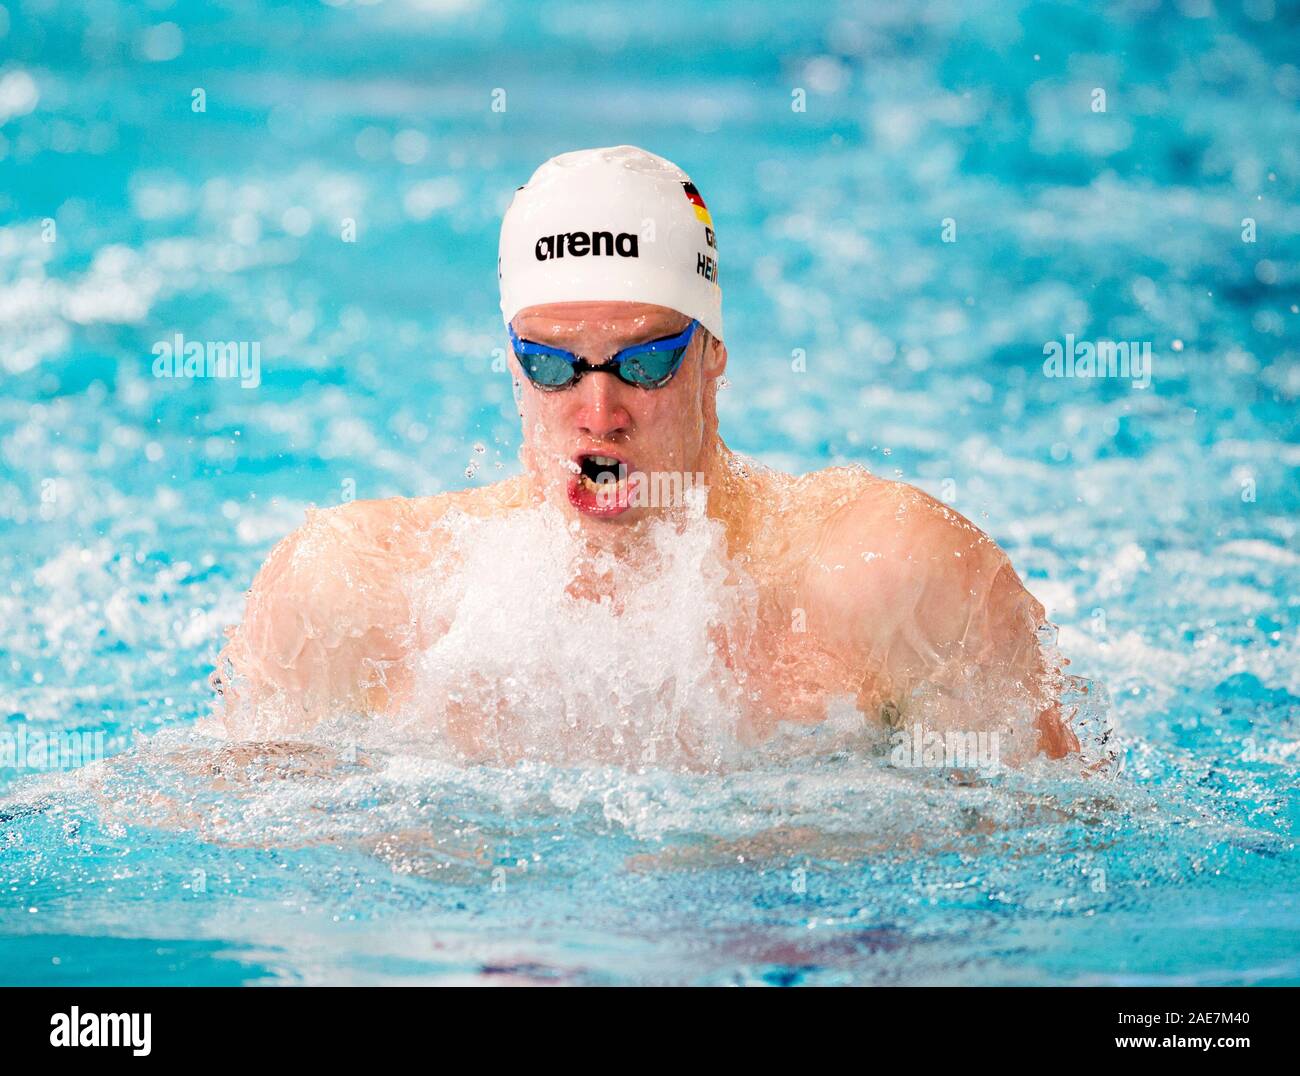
(920, 598)
(325, 626)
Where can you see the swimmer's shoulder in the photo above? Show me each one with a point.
(839, 517)
(480, 501)
(861, 513)
(331, 599)
(887, 552)
(359, 551)
(405, 526)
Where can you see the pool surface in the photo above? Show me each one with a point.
(916, 201)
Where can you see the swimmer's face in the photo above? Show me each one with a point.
(658, 436)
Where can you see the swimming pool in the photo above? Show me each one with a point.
(335, 200)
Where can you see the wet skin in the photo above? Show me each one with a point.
(867, 588)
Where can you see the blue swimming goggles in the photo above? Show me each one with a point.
(649, 366)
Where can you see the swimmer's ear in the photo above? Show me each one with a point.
(714, 356)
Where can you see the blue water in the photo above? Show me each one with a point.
(1158, 524)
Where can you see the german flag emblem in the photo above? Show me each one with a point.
(701, 210)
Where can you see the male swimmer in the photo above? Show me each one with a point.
(866, 588)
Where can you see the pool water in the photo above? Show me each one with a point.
(912, 204)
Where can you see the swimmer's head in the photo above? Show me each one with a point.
(610, 224)
(602, 252)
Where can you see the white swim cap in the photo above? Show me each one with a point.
(613, 223)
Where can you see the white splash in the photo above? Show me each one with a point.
(548, 651)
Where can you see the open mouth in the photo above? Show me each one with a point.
(599, 485)
(597, 471)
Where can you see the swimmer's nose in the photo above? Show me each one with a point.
(600, 411)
